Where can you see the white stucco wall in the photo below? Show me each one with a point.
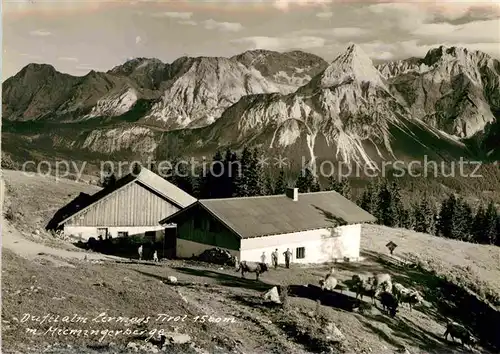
(186, 249)
(83, 233)
(320, 245)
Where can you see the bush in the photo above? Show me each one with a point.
(9, 214)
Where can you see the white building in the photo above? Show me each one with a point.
(130, 207)
(317, 227)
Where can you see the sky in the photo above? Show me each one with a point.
(78, 36)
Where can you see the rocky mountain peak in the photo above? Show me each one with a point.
(354, 65)
(444, 54)
(35, 70)
(134, 64)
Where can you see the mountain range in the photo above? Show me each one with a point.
(445, 105)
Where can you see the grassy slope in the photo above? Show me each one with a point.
(136, 290)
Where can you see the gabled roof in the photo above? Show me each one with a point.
(272, 215)
(146, 178)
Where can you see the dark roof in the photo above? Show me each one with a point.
(147, 178)
(271, 215)
(72, 207)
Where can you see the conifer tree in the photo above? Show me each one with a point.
(383, 205)
(180, 175)
(398, 209)
(269, 187)
(306, 181)
(479, 226)
(230, 174)
(242, 180)
(424, 215)
(334, 185)
(462, 221)
(108, 180)
(280, 185)
(497, 241)
(446, 215)
(367, 199)
(345, 188)
(491, 217)
(255, 174)
(208, 182)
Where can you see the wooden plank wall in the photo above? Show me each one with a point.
(133, 205)
(223, 237)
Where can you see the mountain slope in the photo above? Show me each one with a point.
(188, 92)
(289, 70)
(347, 111)
(444, 105)
(452, 89)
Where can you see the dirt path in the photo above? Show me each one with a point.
(12, 239)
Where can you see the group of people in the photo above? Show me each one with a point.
(155, 254)
(274, 258)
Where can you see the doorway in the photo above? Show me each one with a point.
(170, 242)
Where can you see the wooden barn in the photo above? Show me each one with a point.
(130, 207)
(317, 227)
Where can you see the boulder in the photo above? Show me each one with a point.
(171, 279)
(273, 295)
(178, 338)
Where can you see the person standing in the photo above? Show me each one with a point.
(155, 256)
(263, 257)
(139, 250)
(274, 258)
(288, 257)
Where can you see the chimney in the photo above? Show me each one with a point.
(292, 193)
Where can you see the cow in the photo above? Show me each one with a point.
(329, 283)
(411, 298)
(252, 267)
(382, 282)
(405, 295)
(455, 330)
(389, 302)
(363, 285)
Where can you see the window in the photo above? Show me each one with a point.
(122, 234)
(300, 253)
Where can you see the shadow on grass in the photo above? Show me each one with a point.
(451, 301)
(234, 281)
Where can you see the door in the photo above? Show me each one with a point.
(170, 242)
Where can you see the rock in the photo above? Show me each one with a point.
(133, 346)
(183, 298)
(334, 333)
(171, 279)
(178, 338)
(37, 232)
(273, 295)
